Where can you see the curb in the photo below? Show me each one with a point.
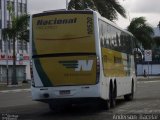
(148, 79)
(4, 87)
(15, 90)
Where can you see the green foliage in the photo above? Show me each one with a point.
(24, 35)
(142, 31)
(81, 4)
(17, 28)
(6, 33)
(157, 41)
(22, 25)
(107, 8)
(110, 8)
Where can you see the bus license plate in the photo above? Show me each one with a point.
(64, 92)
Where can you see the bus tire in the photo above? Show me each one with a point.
(113, 94)
(129, 97)
(105, 104)
(108, 105)
(51, 107)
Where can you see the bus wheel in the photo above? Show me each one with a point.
(51, 106)
(130, 96)
(105, 104)
(113, 94)
(108, 105)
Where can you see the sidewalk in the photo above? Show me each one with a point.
(4, 86)
(150, 78)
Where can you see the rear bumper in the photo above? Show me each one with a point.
(45, 94)
(69, 101)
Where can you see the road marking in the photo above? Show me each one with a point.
(155, 81)
(15, 91)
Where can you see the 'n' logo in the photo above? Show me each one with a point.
(84, 65)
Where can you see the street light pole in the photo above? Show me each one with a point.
(7, 61)
(66, 4)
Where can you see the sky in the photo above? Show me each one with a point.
(150, 9)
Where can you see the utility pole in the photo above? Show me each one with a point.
(7, 41)
(7, 61)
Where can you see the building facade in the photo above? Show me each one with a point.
(6, 46)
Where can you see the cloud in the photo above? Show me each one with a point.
(141, 6)
(150, 9)
(147, 6)
(35, 6)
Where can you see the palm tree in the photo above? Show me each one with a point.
(110, 8)
(81, 4)
(20, 29)
(107, 8)
(142, 31)
(18, 26)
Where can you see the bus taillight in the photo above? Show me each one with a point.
(97, 70)
(32, 78)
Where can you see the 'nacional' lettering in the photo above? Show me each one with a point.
(56, 21)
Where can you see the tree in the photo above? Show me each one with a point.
(159, 25)
(142, 31)
(157, 41)
(81, 4)
(17, 31)
(17, 27)
(107, 8)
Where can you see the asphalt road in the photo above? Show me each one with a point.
(145, 106)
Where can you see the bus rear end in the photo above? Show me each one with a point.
(65, 63)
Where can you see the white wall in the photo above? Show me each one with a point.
(151, 69)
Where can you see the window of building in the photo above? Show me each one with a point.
(19, 46)
(25, 46)
(24, 8)
(22, 46)
(11, 45)
(8, 45)
(20, 7)
(13, 6)
(5, 46)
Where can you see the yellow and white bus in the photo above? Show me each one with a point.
(79, 56)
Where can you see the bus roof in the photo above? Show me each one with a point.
(63, 12)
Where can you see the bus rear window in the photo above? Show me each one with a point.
(63, 33)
